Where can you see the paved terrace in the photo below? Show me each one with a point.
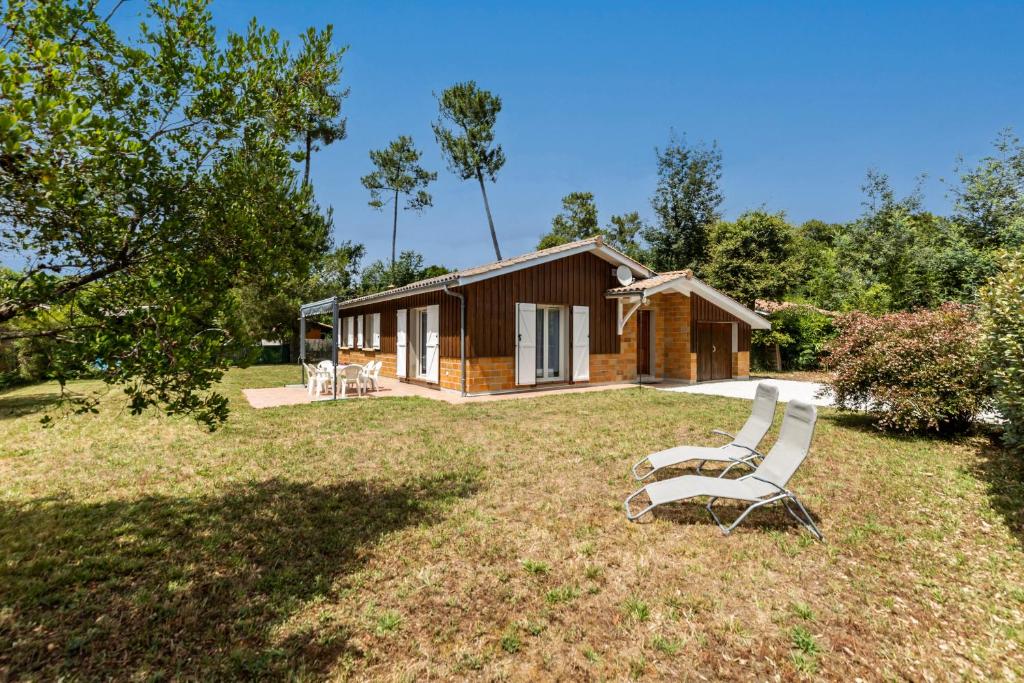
(391, 388)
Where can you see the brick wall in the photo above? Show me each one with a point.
(672, 357)
(673, 332)
(490, 374)
(450, 373)
(364, 356)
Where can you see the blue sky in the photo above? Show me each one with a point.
(803, 98)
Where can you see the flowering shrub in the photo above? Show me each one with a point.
(915, 371)
(1002, 322)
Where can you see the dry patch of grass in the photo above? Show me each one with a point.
(404, 539)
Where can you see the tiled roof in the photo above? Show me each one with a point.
(648, 283)
(476, 270)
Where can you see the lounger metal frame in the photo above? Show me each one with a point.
(785, 496)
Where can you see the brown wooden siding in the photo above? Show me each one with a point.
(579, 280)
(702, 310)
(448, 319)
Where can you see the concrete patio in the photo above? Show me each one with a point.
(744, 388)
(273, 397)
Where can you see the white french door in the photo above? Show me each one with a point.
(551, 341)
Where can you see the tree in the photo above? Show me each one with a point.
(397, 171)
(686, 203)
(990, 198)
(317, 72)
(1002, 326)
(140, 180)
(622, 233)
(577, 220)
(470, 149)
(751, 257)
(409, 267)
(261, 314)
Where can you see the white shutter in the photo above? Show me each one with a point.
(526, 344)
(433, 343)
(400, 343)
(375, 340)
(348, 332)
(580, 344)
(359, 331)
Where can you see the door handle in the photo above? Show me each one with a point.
(714, 349)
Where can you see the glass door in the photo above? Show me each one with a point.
(421, 347)
(550, 343)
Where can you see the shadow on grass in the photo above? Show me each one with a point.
(1003, 474)
(193, 588)
(26, 404)
(768, 518)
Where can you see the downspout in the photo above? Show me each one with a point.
(462, 332)
(639, 377)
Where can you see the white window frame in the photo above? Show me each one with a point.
(346, 326)
(373, 333)
(562, 339)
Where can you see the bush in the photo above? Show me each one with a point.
(1002, 324)
(802, 333)
(915, 372)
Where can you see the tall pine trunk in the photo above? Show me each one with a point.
(490, 221)
(394, 235)
(309, 151)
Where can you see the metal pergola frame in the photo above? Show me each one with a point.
(319, 308)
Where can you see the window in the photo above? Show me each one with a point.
(346, 333)
(550, 348)
(372, 338)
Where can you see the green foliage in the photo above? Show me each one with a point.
(686, 204)
(409, 267)
(913, 371)
(317, 72)
(803, 334)
(260, 312)
(465, 132)
(750, 258)
(397, 171)
(141, 180)
(623, 233)
(894, 257)
(1002, 323)
(990, 199)
(578, 220)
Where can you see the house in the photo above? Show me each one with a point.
(578, 313)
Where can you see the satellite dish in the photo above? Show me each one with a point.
(624, 275)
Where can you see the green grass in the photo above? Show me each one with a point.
(385, 539)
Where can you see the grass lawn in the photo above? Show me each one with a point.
(406, 539)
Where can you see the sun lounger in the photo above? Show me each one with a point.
(765, 485)
(742, 448)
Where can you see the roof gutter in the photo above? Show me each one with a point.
(462, 333)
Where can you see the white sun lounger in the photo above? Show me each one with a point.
(742, 448)
(766, 484)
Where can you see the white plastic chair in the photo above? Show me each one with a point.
(350, 373)
(313, 379)
(373, 374)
